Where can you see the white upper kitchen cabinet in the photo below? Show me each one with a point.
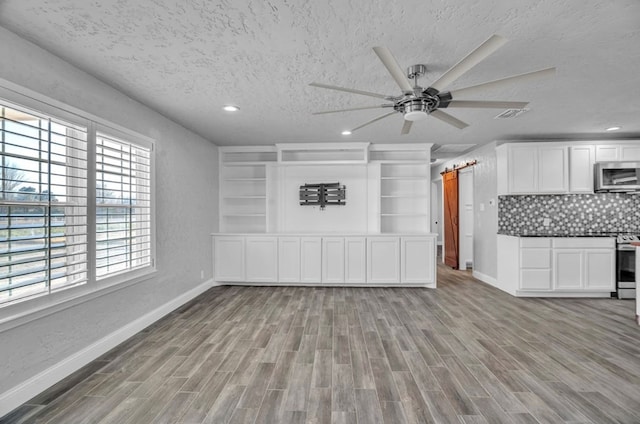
(618, 152)
(533, 168)
(581, 160)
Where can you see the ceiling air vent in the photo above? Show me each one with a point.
(511, 113)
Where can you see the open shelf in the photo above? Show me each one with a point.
(404, 196)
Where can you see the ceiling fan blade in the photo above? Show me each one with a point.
(487, 104)
(348, 90)
(496, 83)
(350, 109)
(394, 69)
(445, 117)
(406, 127)
(472, 59)
(373, 120)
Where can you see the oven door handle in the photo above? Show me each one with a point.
(626, 247)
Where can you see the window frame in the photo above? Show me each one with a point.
(21, 311)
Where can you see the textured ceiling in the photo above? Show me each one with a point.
(188, 59)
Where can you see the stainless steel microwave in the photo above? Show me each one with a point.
(617, 177)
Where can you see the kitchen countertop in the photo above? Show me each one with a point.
(567, 235)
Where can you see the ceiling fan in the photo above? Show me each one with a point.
(416, 103)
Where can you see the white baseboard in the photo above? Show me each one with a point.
(21, 393)
(485, 278)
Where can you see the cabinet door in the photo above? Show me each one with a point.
(383, 260)
(552, 170)
(600, 269)
(417, 260)
(229, 259)
(310, 259)
(333, 260)
(568, 266)
(355, 260)
(523, 169)
(261, 259)
(607, 153)
(581, 160)
(630, 153)
(289, 259)
(535, 279)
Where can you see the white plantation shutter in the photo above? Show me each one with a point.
(123, 205)
(43, 203)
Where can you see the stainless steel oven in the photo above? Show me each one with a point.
(626, 267)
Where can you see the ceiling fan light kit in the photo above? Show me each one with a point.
(416, 103)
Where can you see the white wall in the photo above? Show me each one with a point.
(350, 218)
(186, 193)
(485, 195)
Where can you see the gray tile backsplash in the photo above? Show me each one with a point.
(569, 214)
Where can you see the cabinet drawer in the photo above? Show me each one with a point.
(535, 242)
(583, 242)
(535, 279)
(535, 258)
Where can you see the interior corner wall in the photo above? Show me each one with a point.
(485, 205)
(186, 214)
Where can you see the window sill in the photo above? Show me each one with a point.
(12, 316)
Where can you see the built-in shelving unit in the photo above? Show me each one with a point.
(404, 186)
(243, 188)
(252, 189)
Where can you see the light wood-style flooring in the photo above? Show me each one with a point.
(464, 353)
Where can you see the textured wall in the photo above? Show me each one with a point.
(485, 210)
(186, 188)
(569, 214)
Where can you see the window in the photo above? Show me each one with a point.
(43, 204)
(48, 226)
(123, 205)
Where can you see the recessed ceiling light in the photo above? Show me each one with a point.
(231, 108)
(613, 128)
(346, 132)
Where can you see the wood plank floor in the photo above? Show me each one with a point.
(463, 353)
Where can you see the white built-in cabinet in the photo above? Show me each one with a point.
(325, 260)
(556, 167)
(289, 259)
(383, 260)
(333, 260)
(229, 258)
(355, 260)
(542, 266)
(310, 260)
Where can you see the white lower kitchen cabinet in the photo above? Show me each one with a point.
(310, 260)
(556, 267)
(418, 260)
(535, 264)
(383, 260)
(289, 259)
(330, 260)
(333, 260)
(261, 256)
(228, 261)
(600, 269)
